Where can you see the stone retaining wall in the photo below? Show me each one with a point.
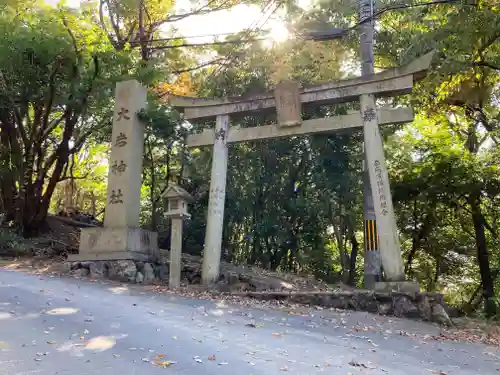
(426, 306)
(236, 282)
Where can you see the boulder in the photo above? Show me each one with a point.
(97, 270)
(222, 287)
(232, 278)
(139, 278)
(162, 272)
(384, 308)
(85, 265)
(440, 316)
(261, 283)
(424, 307)
(140, 267)
(80, 272)
(123, 270)
(404, 306)
(149, 273)
(67, 267)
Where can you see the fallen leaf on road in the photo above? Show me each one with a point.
(363, 329)
(439, 372)
(277, 334)
(51, 342)
(353, 363)
(116, 355)
(212, 358)
(160, 356)
(163, 364)
(4, 344)
(251, 325)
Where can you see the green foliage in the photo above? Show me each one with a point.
(13, 245)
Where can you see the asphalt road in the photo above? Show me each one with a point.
(61, 326)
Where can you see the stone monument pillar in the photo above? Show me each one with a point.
(217, 197)
(121, 238)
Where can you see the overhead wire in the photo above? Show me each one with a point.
(252, 28)
(376, 15)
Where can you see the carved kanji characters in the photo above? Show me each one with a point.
(122, 114)
(121, 140)
(116, 196)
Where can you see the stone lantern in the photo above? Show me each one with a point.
(177, 200)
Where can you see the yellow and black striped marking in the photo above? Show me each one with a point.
(371, 235)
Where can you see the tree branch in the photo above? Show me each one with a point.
(81, 140)
(487, 65)
(73, 178)
(200, 66)
(118, 43)
(197, 12)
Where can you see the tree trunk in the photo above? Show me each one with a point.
(93, 205)
(7, 182)
(33, 223)
(354, 252)
(257, 217)
(482, 254)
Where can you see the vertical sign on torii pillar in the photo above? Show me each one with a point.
(288, 99)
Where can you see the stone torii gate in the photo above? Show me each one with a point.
(288, 98)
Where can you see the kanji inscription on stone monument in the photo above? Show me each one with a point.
(116, 196)
(118, 168)
(122, 114)
(121, 140)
